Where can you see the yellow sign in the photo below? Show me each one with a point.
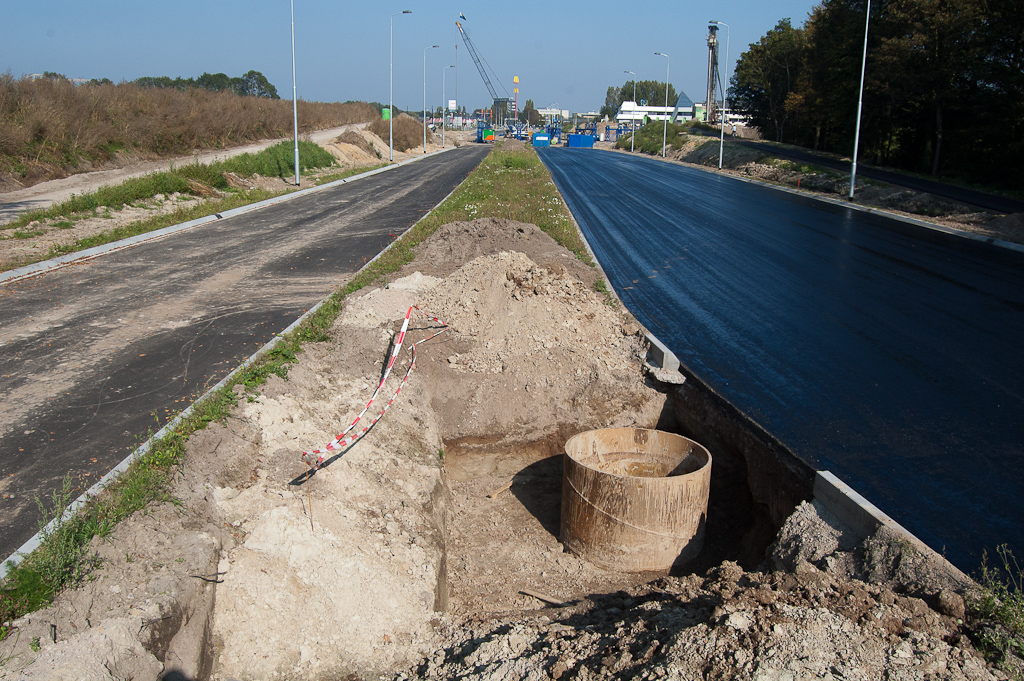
(515, 79)
(516, 90)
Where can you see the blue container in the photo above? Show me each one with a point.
(581, 141)
(540, 140)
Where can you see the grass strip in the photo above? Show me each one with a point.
(184, 214)
(507, 184)
(160, 221)
(275, 161)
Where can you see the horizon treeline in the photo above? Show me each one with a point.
(943, 89)
(50, 127)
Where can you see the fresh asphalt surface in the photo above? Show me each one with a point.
(885, 352)
(95, 354)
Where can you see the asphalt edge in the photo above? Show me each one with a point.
(27, 271)
(999, 243)
(37, 539)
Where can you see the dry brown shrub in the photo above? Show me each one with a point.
(51, 127)
(355, 139)
(407, 131)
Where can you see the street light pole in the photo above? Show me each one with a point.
(632, 137)
(721, 140)
(664, 128)
(295, 105)
(425, 95)
(444, 104)
(391, 89)
(860, 100)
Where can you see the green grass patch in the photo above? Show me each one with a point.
(998, 610)
(511, 184)
(28, 235)
(800, 167)
(649, 137)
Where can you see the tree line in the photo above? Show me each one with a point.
(252, 84)
(943, 89)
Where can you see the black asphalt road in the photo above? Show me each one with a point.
(885, 352)
(94, 355)
(972, 197)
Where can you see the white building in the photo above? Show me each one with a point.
(552, 114)
(631, 112)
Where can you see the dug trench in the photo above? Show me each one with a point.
(430, 547)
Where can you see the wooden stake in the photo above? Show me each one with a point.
(500, 490)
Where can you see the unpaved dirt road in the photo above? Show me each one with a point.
(94, 354)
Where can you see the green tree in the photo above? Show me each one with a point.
(255, 84)
(215, 82)
(766, 75)
(529, 114)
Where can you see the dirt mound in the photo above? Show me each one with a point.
(700, 150)
(355, 139)
(406, 131)
(355, 147)
(457, 243)
(728, 624)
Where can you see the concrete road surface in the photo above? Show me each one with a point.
(885, 352)
(94, 354)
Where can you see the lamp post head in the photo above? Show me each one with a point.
(433, 46)
(406, 11)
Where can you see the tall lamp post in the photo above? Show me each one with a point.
(295, 106)
(391, 89)
(632, 136)
(444, 104)
(664, 128)
(860, 100)
(425, 95)
(721, 140)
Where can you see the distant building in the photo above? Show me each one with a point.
(631, 112)
(554, 114)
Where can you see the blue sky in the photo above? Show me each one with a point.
(565, 54)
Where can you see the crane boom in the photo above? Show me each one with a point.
(476, 60)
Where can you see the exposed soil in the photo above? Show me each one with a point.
(410, 554)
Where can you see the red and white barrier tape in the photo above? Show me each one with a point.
(341, 441)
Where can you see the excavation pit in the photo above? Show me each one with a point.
(503, 530)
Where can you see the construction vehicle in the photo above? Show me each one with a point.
(500, 106)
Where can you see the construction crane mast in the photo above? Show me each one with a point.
(499, 105)
(714, 82)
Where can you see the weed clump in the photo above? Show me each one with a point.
(998, 610)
